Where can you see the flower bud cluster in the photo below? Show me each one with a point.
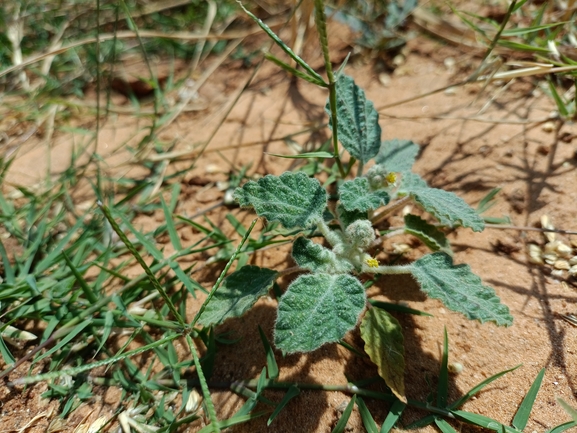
(379, 177)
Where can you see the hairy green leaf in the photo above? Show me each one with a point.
(318, 309)
(237, 294)
(430, 235)
(397, 155)
(317, 258)
(459, 289)
(383, 339)
(358, 126)
(356, 195)
(293, 199)
(445, 206)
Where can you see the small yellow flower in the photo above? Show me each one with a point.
(391, 178)
(372, 263)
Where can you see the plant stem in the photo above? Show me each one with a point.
(332, 237)
(349, 388)
(388, 270)
(321, 22)
(390, 209)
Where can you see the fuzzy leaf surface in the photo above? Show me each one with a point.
(384, 343)
(318, 309)
(430, 235)
(317, 258)
(445, 206)
(397, 155)
(358, 121)
(459, 289)
(356, 195)
(293, 199)
(237, 294)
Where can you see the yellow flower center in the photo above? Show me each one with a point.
(372, 263)
(391, 177)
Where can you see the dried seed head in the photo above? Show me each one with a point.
(193, 402)
(97, 425)
(573, 270)
(562, 264)
(546, 224)
(535, 254)
(573, 260)
(401, 248)
(551, 246)
(550, 258)
(564, 250)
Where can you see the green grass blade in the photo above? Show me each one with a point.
(234, 421)
(209, 358)
(562, 427)
(443, 388)
(86, 367)
(341, 425)
(288, 68)
(292, 392)
(522, 415)
(557, 98)
(519, 5)
(142, 239)
(479, 387)
(271, 365)
(49, 260)
(172, 233)
(482, 421)
(8, 271)
(444, 426)
(393, 416)
(73, 333)
(236, 224)
(80, 279)
(223, 274)
(5, 352)
(106, 329)
(487, 202)
(32, 251)
(284, 47)
(204, 386)
(308, 155)
(568, 409)
(366, 416)
(521, 31)
(141, 261)
(518, 46)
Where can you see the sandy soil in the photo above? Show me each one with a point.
(471, 141)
